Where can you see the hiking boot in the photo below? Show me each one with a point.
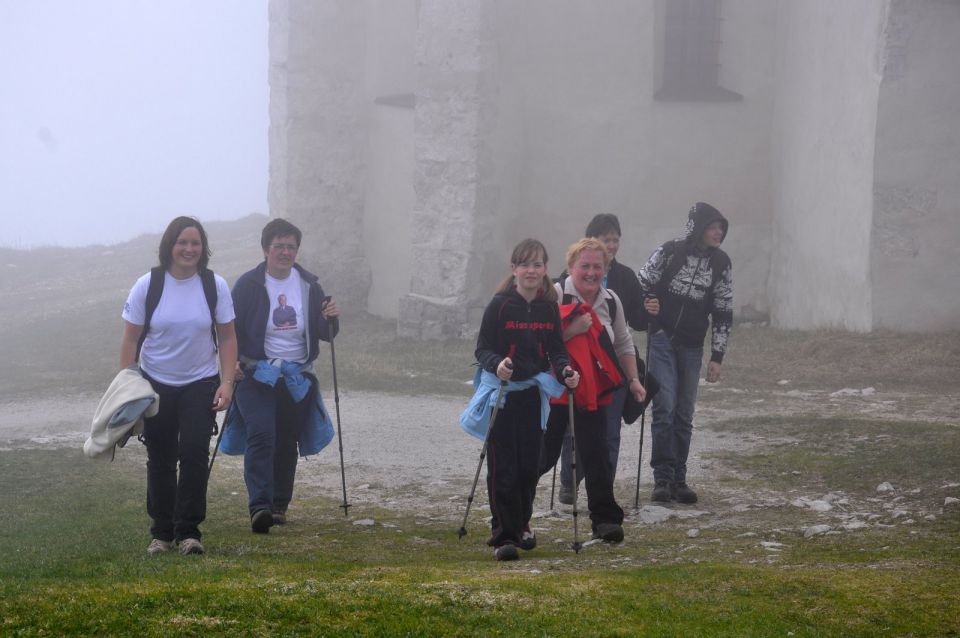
(683, 494)
(158, 546)
(190, 546)
(261, 521)
(528, 540)
(506, 552)
(279, 518)
(610, 532)
(566, 495)
(661, 492)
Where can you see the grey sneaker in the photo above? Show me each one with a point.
(158, 546)
(506, 552)
(610, 532)
(682, 493)
(661, 492)
(190, 546)
(565, 495)
(279, 518)
(261, 521)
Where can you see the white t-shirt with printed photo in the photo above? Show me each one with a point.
(286, 336)
(179, 347)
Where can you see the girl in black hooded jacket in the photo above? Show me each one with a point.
(519, 338)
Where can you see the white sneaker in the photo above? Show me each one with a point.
(190, 546)
(158, 546)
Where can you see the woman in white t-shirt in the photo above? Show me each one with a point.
(178, 354)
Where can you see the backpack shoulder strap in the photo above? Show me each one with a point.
(611, 309)
(154, 292)
(210, 293)
(565, 298)
(675, 257)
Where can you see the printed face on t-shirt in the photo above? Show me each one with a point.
(284, 316)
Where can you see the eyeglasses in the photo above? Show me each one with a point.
(290, 248)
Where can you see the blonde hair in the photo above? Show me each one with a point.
(525, 251)
(587, 243)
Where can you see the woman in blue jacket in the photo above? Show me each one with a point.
(277, 399)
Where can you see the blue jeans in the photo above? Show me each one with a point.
(677, 368)
(273, 421)
(614, 423)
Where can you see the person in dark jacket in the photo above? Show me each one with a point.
(275, 414)
(690, 287)
(520, 342)
(622, 280)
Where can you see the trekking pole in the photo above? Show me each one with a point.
(336, 402)
(483, 453)
(573, 464)
(553, 486)
(213, 457)
(643, 416)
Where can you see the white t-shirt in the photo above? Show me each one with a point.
(179, 347)
(286, 336)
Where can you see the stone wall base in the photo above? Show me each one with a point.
(422, 317)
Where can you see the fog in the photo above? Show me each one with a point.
(118, 115)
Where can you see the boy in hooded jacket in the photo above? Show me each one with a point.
(687, 286)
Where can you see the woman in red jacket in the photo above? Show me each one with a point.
(597, 339)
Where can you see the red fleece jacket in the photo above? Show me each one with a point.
(599, 375)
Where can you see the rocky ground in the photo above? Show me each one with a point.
(407, 456)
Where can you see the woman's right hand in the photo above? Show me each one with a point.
(505, 369)
(580, 324)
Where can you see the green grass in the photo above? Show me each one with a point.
(73, 563)
(857, 454)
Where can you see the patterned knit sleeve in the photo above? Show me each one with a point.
(721, 314)
(651, 271)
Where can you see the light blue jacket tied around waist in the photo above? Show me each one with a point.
(476, 418)
(316, 433)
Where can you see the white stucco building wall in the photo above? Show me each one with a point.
(824, 125)
(916, 225)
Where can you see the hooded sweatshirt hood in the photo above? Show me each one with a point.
(702, 215)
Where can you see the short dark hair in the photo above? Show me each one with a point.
(278, 227)
(172, 233)
(601, 224)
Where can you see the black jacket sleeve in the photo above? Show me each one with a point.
(487, 352)
(556, 351)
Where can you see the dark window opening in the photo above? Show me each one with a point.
(691, 53)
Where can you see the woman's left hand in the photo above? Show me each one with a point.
(221, 400)
(637, 390)
(329, 310)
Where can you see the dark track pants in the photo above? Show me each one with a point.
(179, 434)
(590, 429)
(513, 453)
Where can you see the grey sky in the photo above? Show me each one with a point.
(117, 115)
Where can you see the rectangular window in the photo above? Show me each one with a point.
(690, 53)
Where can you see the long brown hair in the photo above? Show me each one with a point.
(525, 251)
(172, 233)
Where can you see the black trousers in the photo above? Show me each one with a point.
(179, 434)
(513, 453)
(590, 429)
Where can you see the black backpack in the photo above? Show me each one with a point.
(155, 291)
